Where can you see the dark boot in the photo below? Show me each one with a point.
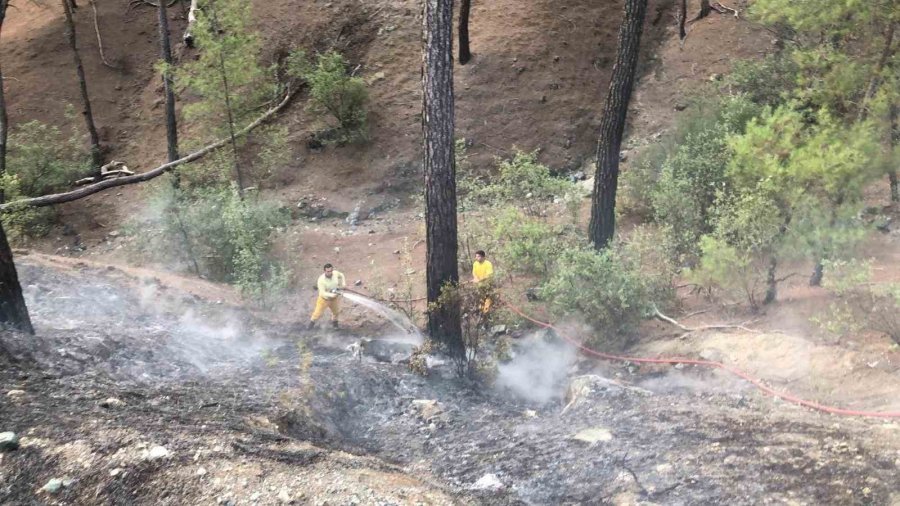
(311, 325)
(334, 324)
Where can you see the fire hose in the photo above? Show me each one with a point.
(785, 396)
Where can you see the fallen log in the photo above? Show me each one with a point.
(188, 36)
(60, 198)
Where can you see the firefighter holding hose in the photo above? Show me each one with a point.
(330, 284)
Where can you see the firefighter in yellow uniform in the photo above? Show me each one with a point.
(482, 270)
(329, 285)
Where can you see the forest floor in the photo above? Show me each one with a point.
(136, 391)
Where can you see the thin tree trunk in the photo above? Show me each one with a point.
(96, 155)
(4, 120)
(464, 53)
(891, 141)
(771, 282)
(875, 79)
(13, 311)
(228, 110)
(440, 173)
(165, 52)
(818, 273)
(705, 9)
(682, 19)
(612, 126)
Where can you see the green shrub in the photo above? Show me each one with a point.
(861, 304)
(769, 81)
(604, 288)
(229, 238)
(39, 161)
(333, 91)
(523, 182)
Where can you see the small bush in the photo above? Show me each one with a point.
(335, 92)
(39, 161)
(604, 288)
(230, 239)
(470, 298)
(769, 81)
(523, 182)
(863, 304)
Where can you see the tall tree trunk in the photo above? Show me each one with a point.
(464, 53)
(13, 311)
(165, 52)
(96, 155)
(440, 173)
(682, 19)
(612, 126)
(891, 141)
(705, 9)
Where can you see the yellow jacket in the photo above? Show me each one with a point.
(326, 284)
(482, 270)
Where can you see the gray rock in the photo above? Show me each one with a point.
(358, 282)
(8, 441)
(55, 485)
(489, 481)
(582, 387)
(497, 330)
(156, 453)
(427, 409)
(383, 350)
(112, 403)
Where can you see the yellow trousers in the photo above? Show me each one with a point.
(321, 304)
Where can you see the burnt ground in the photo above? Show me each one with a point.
(250, 412)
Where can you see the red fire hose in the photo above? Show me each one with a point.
(786, 396)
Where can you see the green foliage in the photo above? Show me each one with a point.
(475, 323)
(692, 173)
(42, 160)
(769, 81)
(230, 238)
(861, 304)
(226, 75)
(604, 288)
(521, 181)
(39, 161)
(333, 91)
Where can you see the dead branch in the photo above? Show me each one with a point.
(689, 330)
(59, 198)
(99, 38)
(188, 36)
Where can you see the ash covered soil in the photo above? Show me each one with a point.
(135, 393)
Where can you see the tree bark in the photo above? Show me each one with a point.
(440, 173)
(96, 154)
(705, 9)
(891, 141)
(464, 53)
(771, 282)
(875, 79)
(13, 312)
(165, 52)
(682, 19)
(612, 126)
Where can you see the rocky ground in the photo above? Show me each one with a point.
(135, 392)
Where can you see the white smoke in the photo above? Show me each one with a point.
(539, 371)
